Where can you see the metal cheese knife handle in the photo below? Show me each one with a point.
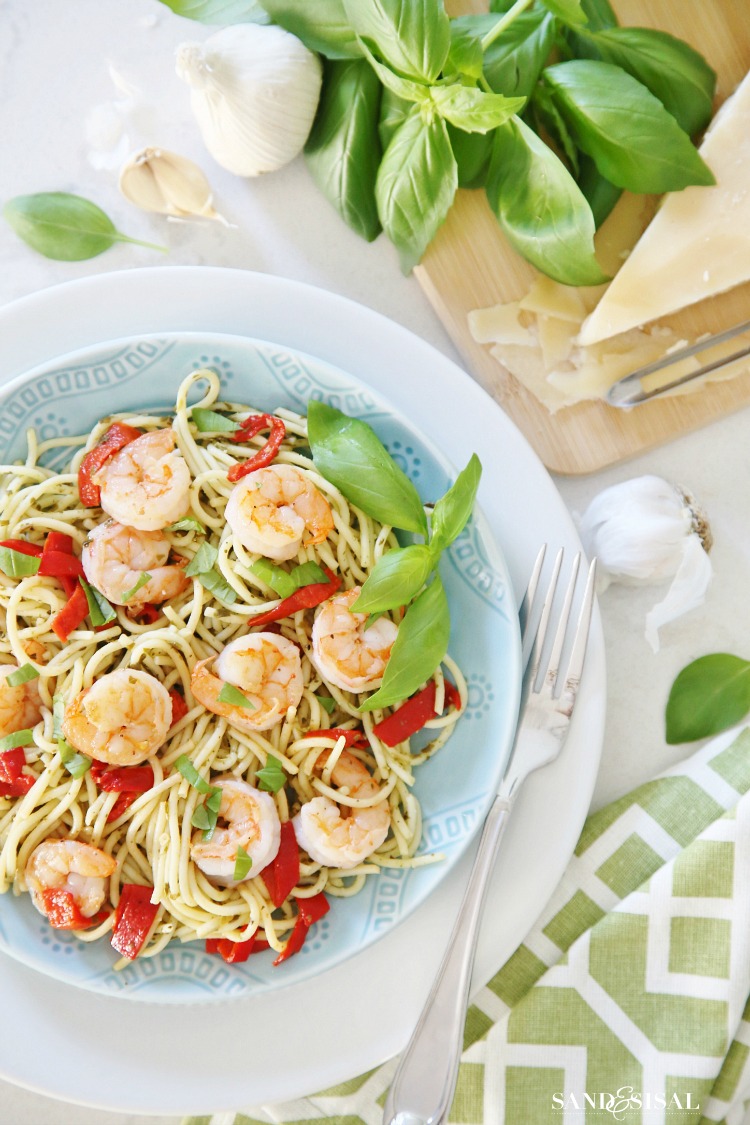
(425, 1081)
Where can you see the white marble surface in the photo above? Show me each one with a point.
(55, 64)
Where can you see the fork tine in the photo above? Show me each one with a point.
(526, 607)
(535, 655)
(553, 664)
(578, 652)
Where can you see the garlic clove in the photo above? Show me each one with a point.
(254, 93)
(168, 184)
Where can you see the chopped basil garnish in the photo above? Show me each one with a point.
(76, 764)
(22, 675)
(242, 864)
(16, 564)
(189, 523)
(100, 611)
(212, 581)
(211, 422)
(144, 578)
(206, 815)
(272, 776)
(202, 561)
(234, 697)
(307, 574)
(327, 703)
(17, 738)
(284, 582)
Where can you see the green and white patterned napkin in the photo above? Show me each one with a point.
(628, 1002)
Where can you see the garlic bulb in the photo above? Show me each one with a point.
(161, 181)
(644, 531)
(255, 90)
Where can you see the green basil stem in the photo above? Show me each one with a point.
(505, 21)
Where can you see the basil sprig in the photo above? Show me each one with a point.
(421, 82)
(65, 227)
(708, 696)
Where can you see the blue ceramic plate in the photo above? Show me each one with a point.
(454, 788)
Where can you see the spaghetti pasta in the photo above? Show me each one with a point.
(195, 636)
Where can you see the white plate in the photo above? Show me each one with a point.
(303, 1038)
(454, 788)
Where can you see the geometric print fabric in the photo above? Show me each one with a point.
(628, 1001)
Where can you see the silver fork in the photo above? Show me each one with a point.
(425, 1081)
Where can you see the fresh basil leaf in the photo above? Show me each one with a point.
(600, 194)
(634, 142)
(420, 645)
(58, 714)
(349, 454)
(142, 581)
(343, 149)
(242, 865)
(673, 71)
(541, 208)
(452, 511)
(15, 564)
(308, 574)
(465, 55)
(393, 112)
(546, 112)
(406, 88)
(234, 697)
(188, 523)
(472, 152)
(100, 611)
(65, 227)
(202, 561)
(567, 11)
(22, 675)
(17, 738)
(416, 185)
(223, 12)
(271, 777)
(214, 582)
(191, 775)
(327, 703)
(708, 696)
(513, 63)
(211, 422)
(413, 36)
(280, 581)
(322, 26)
(473, 110)
(599, 14)
(76, 764)
(396, 578)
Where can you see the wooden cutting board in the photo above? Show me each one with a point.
(470, 265)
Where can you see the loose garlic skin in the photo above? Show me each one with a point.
(254, 93)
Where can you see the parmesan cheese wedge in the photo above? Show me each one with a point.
(698, 245)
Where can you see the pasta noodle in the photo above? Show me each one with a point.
(153, 838)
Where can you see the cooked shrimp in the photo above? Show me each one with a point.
(146, 484)
(347, 653)
(343, 836)
(72, 866)
(265, 667)
(252, 822)
(115, 557)
(20, 706)
(121, 719)
(271, 509)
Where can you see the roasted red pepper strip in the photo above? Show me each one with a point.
(233, 952)
(249, 428)
(54, 564)
(452, 695)
(307, 597)
(73, 614)
(409, 718)
(310, 910)
(179, 706)
(354, 738)
(22, 547)
(122, 779)
(282, 876)
(13, 781)
(62, 912)
(134, 918)
(116, 438)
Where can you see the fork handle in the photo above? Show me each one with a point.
(422, 1089)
